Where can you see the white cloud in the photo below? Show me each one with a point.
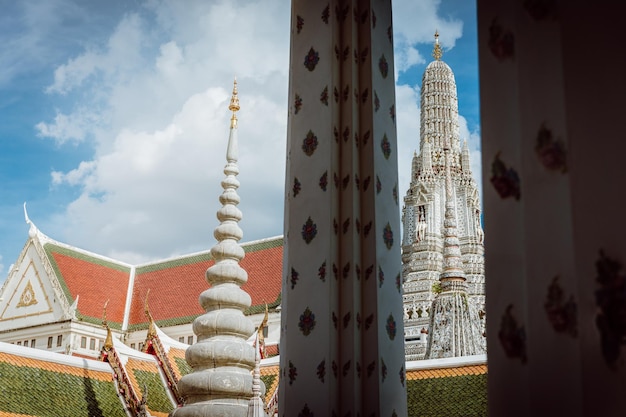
(157, 91)
(415, 22)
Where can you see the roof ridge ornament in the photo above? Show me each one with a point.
(437, 51)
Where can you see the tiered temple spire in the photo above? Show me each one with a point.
(442, 243)
(221, 382)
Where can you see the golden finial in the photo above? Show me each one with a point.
(108, 342)
(151, 327)
(437, 51)
(234, 106)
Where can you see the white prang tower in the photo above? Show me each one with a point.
(424, 212)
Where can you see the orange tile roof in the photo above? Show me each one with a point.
(95, 280)
(176, 357)
(17, 360)
(446, 372)
(175, 285)
(270, 371)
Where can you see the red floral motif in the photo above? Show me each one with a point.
(368, 271)
(321, 272)
(309, 230)
(346, 319)
(326, 14)
(383, 66)
(309, 143)
(345, 271)
(402, 375)
(383, 369)
(388, 236)
(379, 186)
(296, 186)
(550, 151)
(293, 373)
(321, 370)
(381, 277)
(299, 23)
(385, 145)
(376, 102)
(311, 59)
(512, 336)
(399, 283)
(366, 183)
(346, 368)
(324, 181)
(366, 137)
(324, 96)
(295, 276)
(505, 180)
(297, 104)
(392, 112)
(501, 41)
(335, 270)
(611, 303)
(561, 313)
(307, 322)
(391, 327)
(394, 192)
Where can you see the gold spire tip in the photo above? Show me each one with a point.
(234, 101)
(437, 51)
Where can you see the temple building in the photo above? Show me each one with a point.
(426, 205)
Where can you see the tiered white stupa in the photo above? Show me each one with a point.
(427, 203)
(222, 361)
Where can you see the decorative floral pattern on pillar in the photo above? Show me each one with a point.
(550, 151)
(294, 278)
(561, 314)
(293, 373)
(307, 322)
(388, 236)
(505, 180)
(297, 186)
(512, 336)
(383, 369)
(326, 14)
(376, 102)
(309, 230)
(392, 112)
(390, 326)
(321, 272)
(381, 277)
(309, 144)
(297, 104)
(299, 24)
(311, 59)
(402, 375)
(383, 66)
(321, 370)
(324, 96)
(611, 303)
(501, 41)
(323, 183)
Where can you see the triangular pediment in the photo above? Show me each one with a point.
(28, 297)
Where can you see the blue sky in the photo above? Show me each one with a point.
(114, 120)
